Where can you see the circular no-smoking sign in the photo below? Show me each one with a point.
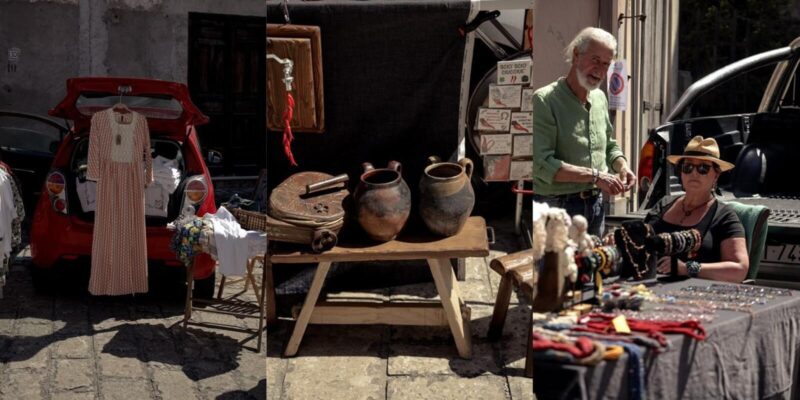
(617, 84)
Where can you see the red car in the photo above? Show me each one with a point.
(62, 224)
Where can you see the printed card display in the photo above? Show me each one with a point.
(526, 104)
(507, 96)
(523, 146)
(493, 119)
(496, 144)
(515, 72)
(521, 170)
(522, 122)
(496, 168)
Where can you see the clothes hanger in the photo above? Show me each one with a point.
(121, 107)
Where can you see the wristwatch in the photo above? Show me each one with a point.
(693, 268)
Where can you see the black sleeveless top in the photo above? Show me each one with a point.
(719, 223)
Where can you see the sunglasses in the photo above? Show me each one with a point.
(702, 169)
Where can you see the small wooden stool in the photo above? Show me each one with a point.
(516, 269)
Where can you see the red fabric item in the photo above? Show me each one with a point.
(582, 348)
(287, 131)
(601, 323)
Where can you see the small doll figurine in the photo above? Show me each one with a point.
(578, 232)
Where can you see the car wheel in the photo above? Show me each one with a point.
(204, 289)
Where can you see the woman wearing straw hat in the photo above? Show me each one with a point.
(723, 253)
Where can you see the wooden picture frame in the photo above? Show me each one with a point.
(303, 45)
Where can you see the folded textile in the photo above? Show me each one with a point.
(230, 240)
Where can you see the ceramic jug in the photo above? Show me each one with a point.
(446, 195)
(383, 201)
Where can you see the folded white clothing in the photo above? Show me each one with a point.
(231, 242)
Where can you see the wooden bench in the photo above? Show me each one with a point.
(515, 269)
(452, 312)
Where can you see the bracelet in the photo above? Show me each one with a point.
(693, 268)
(595, 175)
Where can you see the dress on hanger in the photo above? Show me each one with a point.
(120, 161)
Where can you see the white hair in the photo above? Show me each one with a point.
(586, 36)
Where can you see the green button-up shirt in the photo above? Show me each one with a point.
(565, 131)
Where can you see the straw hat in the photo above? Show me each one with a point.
(700, 148)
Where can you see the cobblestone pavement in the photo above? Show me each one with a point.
(407, 362)
(70, 345)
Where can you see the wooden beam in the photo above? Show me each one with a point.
(371, 313)
(470, 242)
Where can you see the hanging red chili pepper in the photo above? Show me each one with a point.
(287, 130)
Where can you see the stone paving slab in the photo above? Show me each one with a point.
(67, 344)
(445, 387)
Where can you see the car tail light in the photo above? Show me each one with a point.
(56, 184)
(196, 190)
(646, 165)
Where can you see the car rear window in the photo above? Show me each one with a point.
(151, 106)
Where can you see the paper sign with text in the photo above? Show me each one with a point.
(526, 104)
(496, 168)
(617, 86)
(523, 146)
(493, 119)
(507, 96)
(521, 122)
(495, 144)
(514, 72)
(521, 170)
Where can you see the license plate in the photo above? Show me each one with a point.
(784, 254)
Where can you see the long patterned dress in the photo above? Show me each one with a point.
(120, 162)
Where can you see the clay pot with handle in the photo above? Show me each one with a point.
(446, 195)
(382, 201)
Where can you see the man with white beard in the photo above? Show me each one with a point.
(575, 157)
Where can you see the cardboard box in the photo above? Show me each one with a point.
(521, 170)
(496, 168)
(522, 122)
(526, 102)
(504, 96)
(496, 144)
(493, 120)
(514, 72)
(523, 146)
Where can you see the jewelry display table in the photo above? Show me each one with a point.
(747, 355)
(471, 241)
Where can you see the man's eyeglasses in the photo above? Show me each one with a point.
(702, 169)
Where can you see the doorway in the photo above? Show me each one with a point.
(227, 81)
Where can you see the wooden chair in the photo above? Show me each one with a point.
(248, 280)
(516, 270)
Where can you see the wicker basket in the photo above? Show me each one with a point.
(250, 220)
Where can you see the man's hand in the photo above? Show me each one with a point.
(627, 177)
(610, 184)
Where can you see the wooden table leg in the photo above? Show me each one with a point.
(447, 286)
(269, 288)
(308, 308)
(501, 307)
(187, 312)
(262, 314)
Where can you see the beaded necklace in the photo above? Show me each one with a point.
(687, 213)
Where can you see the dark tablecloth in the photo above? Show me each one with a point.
(744, 356)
